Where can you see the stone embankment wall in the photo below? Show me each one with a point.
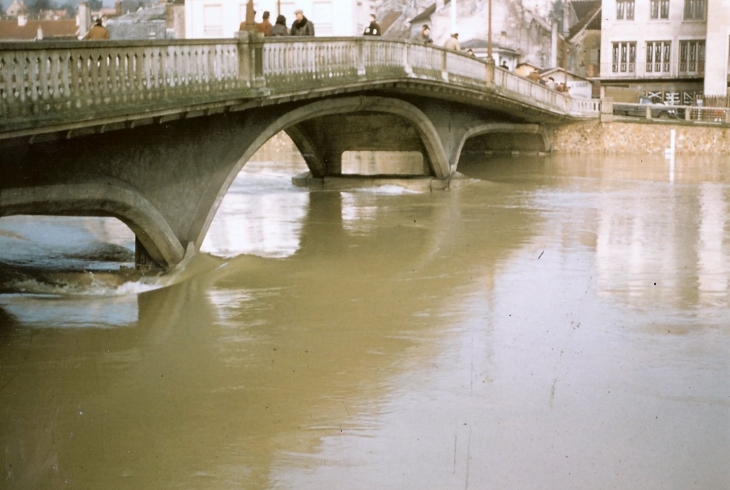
(640, 138)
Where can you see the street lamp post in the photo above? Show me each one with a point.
(489, 34)
(566, 34)
(453, 16)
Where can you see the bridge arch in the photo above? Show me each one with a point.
(288, 122)
(538, 137)
(108, 200)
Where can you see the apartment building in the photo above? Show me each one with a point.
(222, 18)
(676, 50)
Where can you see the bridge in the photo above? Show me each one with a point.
(154, 132)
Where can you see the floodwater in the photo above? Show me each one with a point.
(560, 323)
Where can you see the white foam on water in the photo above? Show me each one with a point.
(85, 285)
(389, 189)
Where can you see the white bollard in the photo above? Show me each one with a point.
(672, 143)
(669, 153)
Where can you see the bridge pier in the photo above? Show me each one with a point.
(142, 258)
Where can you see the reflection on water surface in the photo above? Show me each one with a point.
(563, 323)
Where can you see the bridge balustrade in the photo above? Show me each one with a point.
(50, 83)
(51, 78)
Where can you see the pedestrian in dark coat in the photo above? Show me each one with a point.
(425, 35)
(280, 28)
(373, 29)
(302, 26)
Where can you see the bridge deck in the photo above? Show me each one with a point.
(52, 86)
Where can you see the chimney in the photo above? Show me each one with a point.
(22, 20)
(39, 34)
(118, 7)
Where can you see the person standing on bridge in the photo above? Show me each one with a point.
(280, 28)
(302, 26)
(97, 32)
(264, 26)
(425, 35)
(374, 28)
(453, 42)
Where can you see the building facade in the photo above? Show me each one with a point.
(162, 21)
(520, 34)
(676, 50)
(222, 18)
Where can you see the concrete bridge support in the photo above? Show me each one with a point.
(166, 179)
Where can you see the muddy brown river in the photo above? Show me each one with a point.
(559, 323)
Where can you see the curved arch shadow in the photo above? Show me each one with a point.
(512, 129)
(105, 200)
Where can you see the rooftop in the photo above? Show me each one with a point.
(52, 29)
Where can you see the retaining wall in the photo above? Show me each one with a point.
(640, 138)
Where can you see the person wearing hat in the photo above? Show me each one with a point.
(97, 32)
(302, 26)
(453, 42)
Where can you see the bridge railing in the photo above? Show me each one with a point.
(50, 78)
(47, 83)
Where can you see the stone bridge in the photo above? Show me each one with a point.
(154, 132)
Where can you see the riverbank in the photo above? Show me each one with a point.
(640, 138)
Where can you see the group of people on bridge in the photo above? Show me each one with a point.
(300, 27)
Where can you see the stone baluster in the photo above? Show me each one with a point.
(360, 61)
(408, 59)
(140, 60)
(6, 94)
(444, 66)
(106, 91)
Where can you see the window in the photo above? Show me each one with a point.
(624, 58)
(213, 21)
(658, 55)
(625, 9)
(692, 57)
(659, 9)
(694, 9)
